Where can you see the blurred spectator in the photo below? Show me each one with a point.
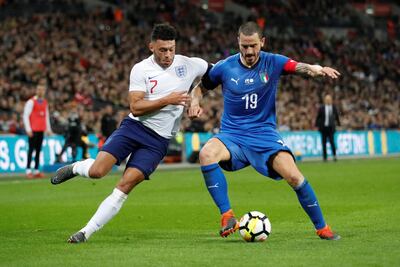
(73, 137)
(108, 122)
(37, 122)
(86, 55)
(326, 121)
(108, 125)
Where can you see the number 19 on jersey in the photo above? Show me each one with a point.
(251, 100)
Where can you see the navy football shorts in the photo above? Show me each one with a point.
(146, 147)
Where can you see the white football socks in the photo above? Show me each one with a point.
(82, 167)
(106, 211)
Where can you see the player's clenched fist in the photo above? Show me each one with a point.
(194, 111)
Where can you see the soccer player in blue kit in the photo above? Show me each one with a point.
(248, 134)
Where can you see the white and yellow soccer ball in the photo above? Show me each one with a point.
(254, 226)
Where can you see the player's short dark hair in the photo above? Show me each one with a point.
(163, 32)
(249, 28)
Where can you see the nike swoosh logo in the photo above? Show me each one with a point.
(313, 205)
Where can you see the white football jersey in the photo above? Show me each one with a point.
(147, 76)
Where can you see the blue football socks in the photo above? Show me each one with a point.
(216, 185)
(309, 202)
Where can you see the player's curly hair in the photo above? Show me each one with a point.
(164, 32)
(249, 28)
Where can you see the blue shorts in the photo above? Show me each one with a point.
(145, 146)
(257, 151)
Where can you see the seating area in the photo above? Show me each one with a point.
(86, 56)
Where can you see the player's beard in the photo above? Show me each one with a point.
(250, 59)
(163, 63)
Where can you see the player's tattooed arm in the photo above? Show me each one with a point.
(316, 70)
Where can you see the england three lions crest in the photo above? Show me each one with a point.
(181, 71)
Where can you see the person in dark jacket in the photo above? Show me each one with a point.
(108, 122)
(73, 137)
(327, 120)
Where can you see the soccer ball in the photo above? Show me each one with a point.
(254, 226)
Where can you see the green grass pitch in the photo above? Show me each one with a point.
(171, 220)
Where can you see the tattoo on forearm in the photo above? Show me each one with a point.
(302, 68)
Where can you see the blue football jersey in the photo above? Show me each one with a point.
(249, 93)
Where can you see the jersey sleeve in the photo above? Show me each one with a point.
(137, 80)
(290, 66)
(280, 62)
(213, 76)
(199, 66)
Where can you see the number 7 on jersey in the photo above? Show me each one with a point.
(154, 82)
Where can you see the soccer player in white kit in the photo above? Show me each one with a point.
(158, 93)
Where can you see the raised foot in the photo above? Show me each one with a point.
(63, 174)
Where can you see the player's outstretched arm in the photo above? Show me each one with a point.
(140, 106)
(316, 70)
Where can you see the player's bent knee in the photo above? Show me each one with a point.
(126, 185)
(130, 180)
(207, 156)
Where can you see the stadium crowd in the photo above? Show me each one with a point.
(87, 55)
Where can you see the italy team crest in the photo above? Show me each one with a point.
(264, 77)
(181, 71)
